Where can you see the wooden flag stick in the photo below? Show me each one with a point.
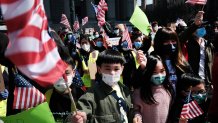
(203, 8)
(73, 104)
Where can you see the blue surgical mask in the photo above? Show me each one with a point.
(200, 98)
(124, 44)
(99, 44)
(158, 79)
(201, 32)
(137, 44)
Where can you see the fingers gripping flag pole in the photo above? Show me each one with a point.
(32, 50)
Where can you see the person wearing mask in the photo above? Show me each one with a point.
(81, 57)
(131, 63)
(200, 50)
(99, 44)
(109, 100)
(152, 100)
(58, 97)
(167, 46)
(137, 40)
(192, 86)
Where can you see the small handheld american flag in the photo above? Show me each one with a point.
(25, 94)
(190, 109)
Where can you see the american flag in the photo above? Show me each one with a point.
(201, 2)
(31, 49)
(100, 12)
(126, 37)
(190, 109)
(85, 20)
(26, 95)
(76, 24)
(65, 21)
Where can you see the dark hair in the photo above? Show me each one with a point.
(110, 57)
(4, 40)
(146, 88)
(190, 79)
(84, 36)
(163, 35)
(154, 23)
(70, 61)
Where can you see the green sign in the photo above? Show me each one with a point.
(38, 114)
(140, 20)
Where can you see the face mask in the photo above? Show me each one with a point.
(96, 36)
(116, 31)
(169, 49)
(99, 44)
(69, 36)
(137, 44)
(200, 98)
(60, 85)
(110, 79)
(124, 44)
(156, 28)
(157, 79)
(201, 32)
(86, 47)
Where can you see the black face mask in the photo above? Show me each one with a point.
(169, 49)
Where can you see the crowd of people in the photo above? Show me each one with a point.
(146, 80)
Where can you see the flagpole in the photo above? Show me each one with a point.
(70, 95)
(203, 8)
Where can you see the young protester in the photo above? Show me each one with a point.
(152, 100)
(58, 97)
(109, 100)
(192, 86)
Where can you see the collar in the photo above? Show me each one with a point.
(108, 89)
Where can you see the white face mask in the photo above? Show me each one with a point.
(86, 47)
(156, 28)
(110, 79)
(60, 85)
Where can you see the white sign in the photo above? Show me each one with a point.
(114, 41)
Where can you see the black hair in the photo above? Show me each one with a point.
(146, 88)
(84, 36)
(4, 40)
(69, 61)
(110, 57)
(190, 79)
(177, 58)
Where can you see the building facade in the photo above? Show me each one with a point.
(118, 11)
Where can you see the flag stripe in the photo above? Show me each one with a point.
(65, 21)
(191, 110)
(31, 42)
(28, 99)
(201, 2)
